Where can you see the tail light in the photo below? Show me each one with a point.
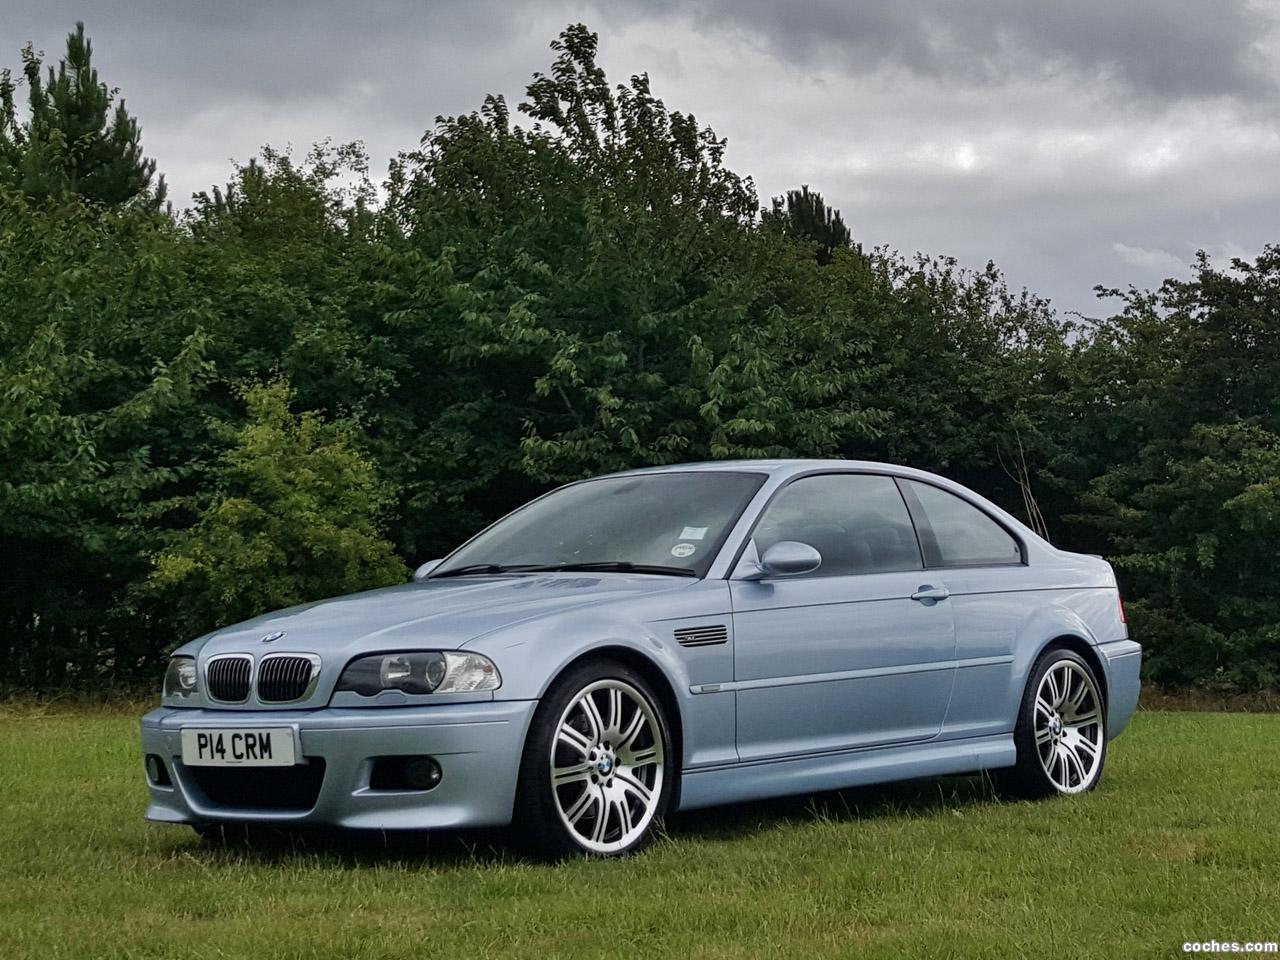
(1124, 617)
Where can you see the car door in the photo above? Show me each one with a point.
(992, 593)
(843, 656)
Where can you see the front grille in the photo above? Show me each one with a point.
(228, 678)
(293, 788)
(284, 678)
(704, 636)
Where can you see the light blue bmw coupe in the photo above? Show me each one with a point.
(657, 640)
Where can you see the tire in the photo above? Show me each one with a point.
(1061, 733)
(598, 770)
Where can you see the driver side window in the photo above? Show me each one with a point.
(857, 521)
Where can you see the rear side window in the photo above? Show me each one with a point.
(962, 534)
(858, 522)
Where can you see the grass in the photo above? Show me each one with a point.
(1179, 843)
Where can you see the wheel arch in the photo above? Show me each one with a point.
(1086, 651)
(657, 678)
(1029, 778)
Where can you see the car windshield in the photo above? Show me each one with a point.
(648, 523)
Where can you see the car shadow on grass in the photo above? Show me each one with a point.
(449, 848)
(362, 848)
(922, 797)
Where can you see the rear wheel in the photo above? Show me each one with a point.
(1061, 731)
(597, 772)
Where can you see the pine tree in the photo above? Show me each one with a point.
(78, 139)
(804, 215)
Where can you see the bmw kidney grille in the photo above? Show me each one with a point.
(228, 678)
(283, 678)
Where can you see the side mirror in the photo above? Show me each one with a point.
(786, 558)
(425, 570)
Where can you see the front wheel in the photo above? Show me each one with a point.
(597, 771)
(1061, 731)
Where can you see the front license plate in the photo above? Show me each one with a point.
(272, 747)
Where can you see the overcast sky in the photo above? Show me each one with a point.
(1074, 143)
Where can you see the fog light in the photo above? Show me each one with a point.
(404, 773)
(422, 773)
(156, 771)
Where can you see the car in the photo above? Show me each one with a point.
(658, 640)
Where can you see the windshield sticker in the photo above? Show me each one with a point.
(693, 533)
(683, 550)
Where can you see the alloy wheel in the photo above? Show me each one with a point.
(1068, 727)
(607, 766)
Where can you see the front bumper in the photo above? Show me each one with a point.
(477, 745)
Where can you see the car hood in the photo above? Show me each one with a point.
(433, 614)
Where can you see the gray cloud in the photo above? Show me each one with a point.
(186, 54)
(1166, 49)
(1098, 141)
(214, 81)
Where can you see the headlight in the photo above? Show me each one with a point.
(429, 671)
(180, 677)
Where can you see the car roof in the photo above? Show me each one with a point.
(781, 465)
(781, 469)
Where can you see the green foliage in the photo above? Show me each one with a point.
(585, 289)
(1194, 525)
(91, 423)
(73, 141)
(567, 279)
(1185, 389)
(601, 289)
(804, 215)
(294, 514)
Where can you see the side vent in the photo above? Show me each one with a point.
(707, 636)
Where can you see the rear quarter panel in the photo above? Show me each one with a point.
(1006, 617)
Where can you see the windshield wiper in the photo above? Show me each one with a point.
(611, 566)
(603, 566)
(480, 568)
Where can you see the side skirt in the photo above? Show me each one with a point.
(835, 771)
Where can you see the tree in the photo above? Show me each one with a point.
(78, 138)
(96, 419)
(803, 215)
(560, 277)
(1192, 525)
(602, 296)
(293, 514)
(1170, 422)
(206, 416)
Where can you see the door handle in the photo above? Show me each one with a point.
(929, 595)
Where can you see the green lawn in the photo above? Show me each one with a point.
(1181, 841)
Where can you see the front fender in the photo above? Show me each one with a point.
(531, 655)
